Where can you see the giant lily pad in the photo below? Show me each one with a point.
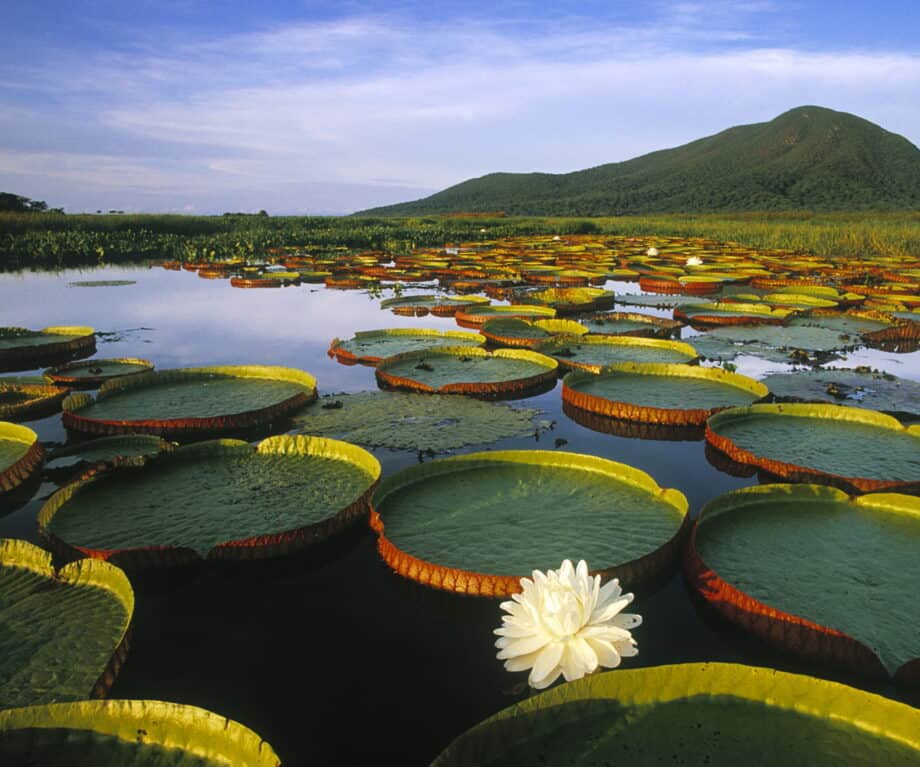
(369, 347)
(857, 388)
(477, 523)
(21, 349)
(90, 374)
(132, 449)
(526, 333)
(469, 370)
(441, 306)
(25, 402)
(729, 313)
(858, 450)
(679, 395)
(716, 714)
(815, 571)
(20, 455)
(422, 422)
(473, 318)
(223, 499)
(594, 352)
(658, 301)
(571, 300)
(64, 632)
(127, 733)
(191, 400)
(630, 324)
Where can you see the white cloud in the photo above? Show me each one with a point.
(350, 102)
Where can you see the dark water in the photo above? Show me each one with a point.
(330, 657)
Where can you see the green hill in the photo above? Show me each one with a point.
(807, 158)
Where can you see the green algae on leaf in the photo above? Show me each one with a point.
(716, 714)
(62, 630)
(217, 499)
(422, 422)
(127, 733)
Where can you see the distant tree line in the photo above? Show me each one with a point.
(16, 203)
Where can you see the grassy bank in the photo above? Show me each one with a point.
(57, 241)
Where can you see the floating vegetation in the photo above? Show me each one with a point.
(125, 449)
(571, 300)
(128, 733)
(630, 324)
(370, 347)
(861, 387)
(65, 631)
(594, 352)
(793, 343)
(191, 400)
(668, 394)
(720, 714)
(857, 450)
(730, 313)
(440, 306)
(419, 422)
(473, 318)
(100, 283)
(527, 334)
(477, 523)
(20, 455)
(790, 562)
(22, 349)
(90, 374)
(223, 499)
(26, 402)
(469, 370)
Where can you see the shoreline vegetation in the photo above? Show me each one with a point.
(54, 240)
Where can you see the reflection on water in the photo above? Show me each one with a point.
(303, 655)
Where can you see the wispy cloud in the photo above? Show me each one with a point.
(374, 107)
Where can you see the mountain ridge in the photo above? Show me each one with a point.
(809, 157)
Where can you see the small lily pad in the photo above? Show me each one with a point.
(370, 347)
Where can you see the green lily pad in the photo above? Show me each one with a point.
(499, 515)
(657, 301)
(125, 448)
(477, 315)
(188, 400)
(712, 348)
(853, 324)
(62, 630)
(90, 374)
(808, 338)
(511, 331)
(571, 300)
(863, 449)
(440, 305)
(371, 346)
(101, 283)
(814, 553)
(731, 313)
(716, 714)
(594, 352)
(422, 422)
(659, 393)
(217, 499)
(127, 733)
(26, 402)
(856, 388)
(468, 370)
(20, 455)
(629, 324)
(21, 349)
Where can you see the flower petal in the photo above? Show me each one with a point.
(523, 646)
(546, 664)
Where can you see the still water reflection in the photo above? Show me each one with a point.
(331, 658)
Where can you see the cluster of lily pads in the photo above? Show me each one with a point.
(846, 474)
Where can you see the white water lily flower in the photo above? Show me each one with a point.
(694, 261)
(564, 622)
(652, 252)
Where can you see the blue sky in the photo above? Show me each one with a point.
(309, 107)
